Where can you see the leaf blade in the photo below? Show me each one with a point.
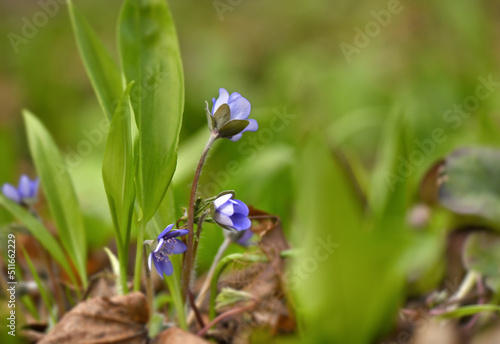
(59, 192)
(149, 52)
(103, 71)
(40, 233)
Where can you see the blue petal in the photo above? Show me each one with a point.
(240, 107)
(25, 187)
(160, 244)
(240, 207)
(34, 187)
(149, 260)
(165, 231)
(163, 267)
(223, 99)
(213, 105)
(226, 209)
(235, 137)
(178, 247)
(252, 126)
(223, 219)
(222, 199)
(11, 193)
(244, 240)
(240, 222)
(177, 233)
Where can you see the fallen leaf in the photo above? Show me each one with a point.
(120, 319)
(175, 335)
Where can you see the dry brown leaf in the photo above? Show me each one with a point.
(120, 319)
(175, 335)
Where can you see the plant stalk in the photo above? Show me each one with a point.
(188, 260)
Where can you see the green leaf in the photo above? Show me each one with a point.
(471, 185)
(118, 169)
(387, 194)
(102, 70)
(469, 310)
(115, 266)
(481, 254)
(46, 298)
(41, 234)
(347, 267)
(150, 55)
(59, 192)
(233, 127)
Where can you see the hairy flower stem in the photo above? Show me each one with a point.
(188, 260)
(198, 234)
(138, 255)
(206, 284)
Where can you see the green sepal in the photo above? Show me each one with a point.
(210, 118)
(222, 116)
(233, 127)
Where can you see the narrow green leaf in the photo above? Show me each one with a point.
(59, 192)
(115, 266)
(46, 298)
(102, 70)
(150, 55)
(469, 310)
(41, 234)
(118, 169)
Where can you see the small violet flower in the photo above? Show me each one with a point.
(231, 214)
(242, 237)
(168, 244)
(25, 194)
(234, 123)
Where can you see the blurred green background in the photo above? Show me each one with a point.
(318, 112)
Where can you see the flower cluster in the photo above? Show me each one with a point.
(25, 194)
(228, 118)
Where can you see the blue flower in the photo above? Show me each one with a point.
(167, 245)
(242, 237)
(26, 193)
(240, 110)
(231, 214)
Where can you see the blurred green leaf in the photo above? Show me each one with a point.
(346, 279)
(118, 169)
(59, 192)
(481, 254)
(41, 234)
(471, 185)
(150, 56)
(102, 70)
(46, 297)
(387, 188)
